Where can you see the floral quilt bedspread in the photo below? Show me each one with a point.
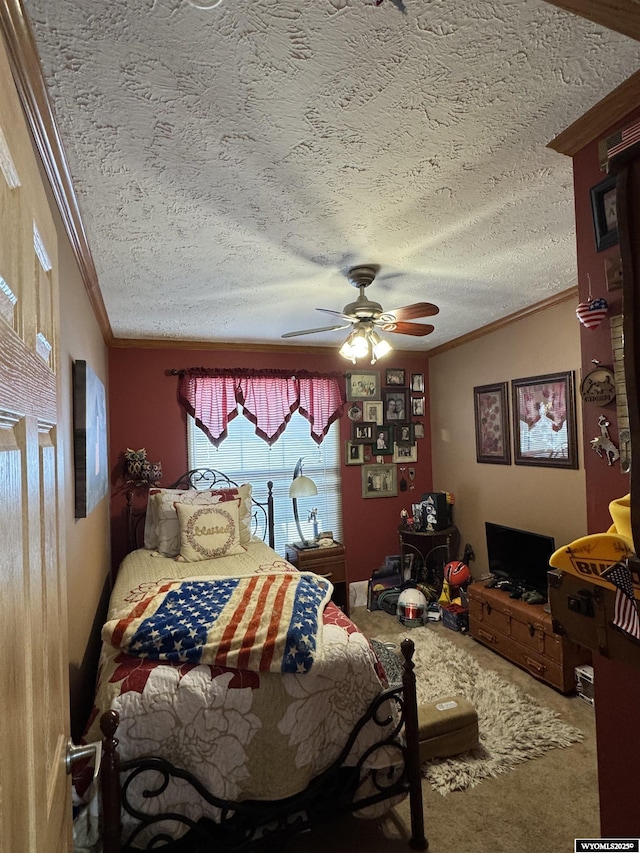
(244, 735)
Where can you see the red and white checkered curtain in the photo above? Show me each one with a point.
(268, 398)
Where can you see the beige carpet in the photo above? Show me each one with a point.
(538, 806)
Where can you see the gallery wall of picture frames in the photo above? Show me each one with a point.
(382, 408)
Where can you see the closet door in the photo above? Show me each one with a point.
(35, 792)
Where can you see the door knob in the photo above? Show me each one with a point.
(89, 750)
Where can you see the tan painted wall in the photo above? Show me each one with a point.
(88, 547)
(543, 500)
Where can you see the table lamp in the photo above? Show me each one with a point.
(301, 487)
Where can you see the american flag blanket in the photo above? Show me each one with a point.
(259, 623)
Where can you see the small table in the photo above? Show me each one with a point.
(329, 563)
(431, 549)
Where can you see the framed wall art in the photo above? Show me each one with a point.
(544, 421)
(394, 376)
(405, 433)
(395, 403)
(492, 423)
(417, 382)
(353, 453)
(363, 433)
(384, 440)
(379, 481)
(417, 406)
(604, 211)
(363, 385)
(405, 453)
(373, 411)
(89, 439)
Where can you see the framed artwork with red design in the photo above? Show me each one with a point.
(544, 421)
(492, 424)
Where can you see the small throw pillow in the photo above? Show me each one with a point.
(209, 532)
(163, 533)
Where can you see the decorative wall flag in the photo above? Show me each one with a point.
(623, 139)
(625, 616)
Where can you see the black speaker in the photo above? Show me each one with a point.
(435, 512)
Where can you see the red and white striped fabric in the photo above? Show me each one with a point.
(624, 138)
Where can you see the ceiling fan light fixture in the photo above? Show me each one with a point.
(364, 342)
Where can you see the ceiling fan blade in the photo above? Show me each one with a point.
(412, 312)
(335, 313)
(313, 331)
(416, 329)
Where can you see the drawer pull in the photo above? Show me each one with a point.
(534, 665)
(532, 629)
(325, 574)
(483, 635)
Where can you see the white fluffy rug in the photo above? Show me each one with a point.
(513, 726)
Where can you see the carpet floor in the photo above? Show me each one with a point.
(533, 806)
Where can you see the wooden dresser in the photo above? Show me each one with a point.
(328, 562)
(523, 634)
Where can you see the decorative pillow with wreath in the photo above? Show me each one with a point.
(209, 532)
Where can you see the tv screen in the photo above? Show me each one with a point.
(519, 555)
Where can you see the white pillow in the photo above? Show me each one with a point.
(209, 532)
(162, 530)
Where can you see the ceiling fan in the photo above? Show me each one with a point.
(366, 317)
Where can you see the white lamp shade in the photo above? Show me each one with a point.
(302, 487)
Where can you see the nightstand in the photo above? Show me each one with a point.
(328, 562)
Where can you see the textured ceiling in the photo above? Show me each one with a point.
(232, 164)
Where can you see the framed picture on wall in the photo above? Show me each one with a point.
(379, 481)
(395, 403)
(604, 212)
(353, 453)
(89, 439)
(363, 385)
(544, 421)
(492, 424)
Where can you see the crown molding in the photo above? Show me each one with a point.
(32, 90)
(552, 301)
(622, 16)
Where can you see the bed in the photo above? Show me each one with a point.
(236, 702)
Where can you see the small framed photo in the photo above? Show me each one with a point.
(393, 561)
(604, 212)
(373, 411)
(363, 385)
(394, 376)
(405, 433)
(492, 424)
(405, 453)
(417, 406)
(544, 421)
(353, 453)
(395, 403)
(407, 566)
(383, 444)
(417, 381)
(362, 433)
(418, 429)
(379, 481)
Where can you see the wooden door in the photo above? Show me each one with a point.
(35, 792)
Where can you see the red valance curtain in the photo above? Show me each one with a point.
(268, 398)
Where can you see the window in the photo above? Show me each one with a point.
(245, 458)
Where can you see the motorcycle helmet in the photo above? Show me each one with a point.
(457, 573)
(412, 608)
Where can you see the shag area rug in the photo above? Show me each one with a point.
(513, 727)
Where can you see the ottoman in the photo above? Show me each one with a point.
(446, 727)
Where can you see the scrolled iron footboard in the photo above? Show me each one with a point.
(245, 825)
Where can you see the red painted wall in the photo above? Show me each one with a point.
(144, 412)
(617, 687)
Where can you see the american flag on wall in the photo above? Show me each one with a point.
(623, 139)
(625, 615)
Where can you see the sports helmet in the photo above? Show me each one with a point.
(457, 573)
(412, 608)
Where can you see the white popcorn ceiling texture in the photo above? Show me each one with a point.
(232, 164)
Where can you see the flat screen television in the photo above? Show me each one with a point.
(519, 556)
